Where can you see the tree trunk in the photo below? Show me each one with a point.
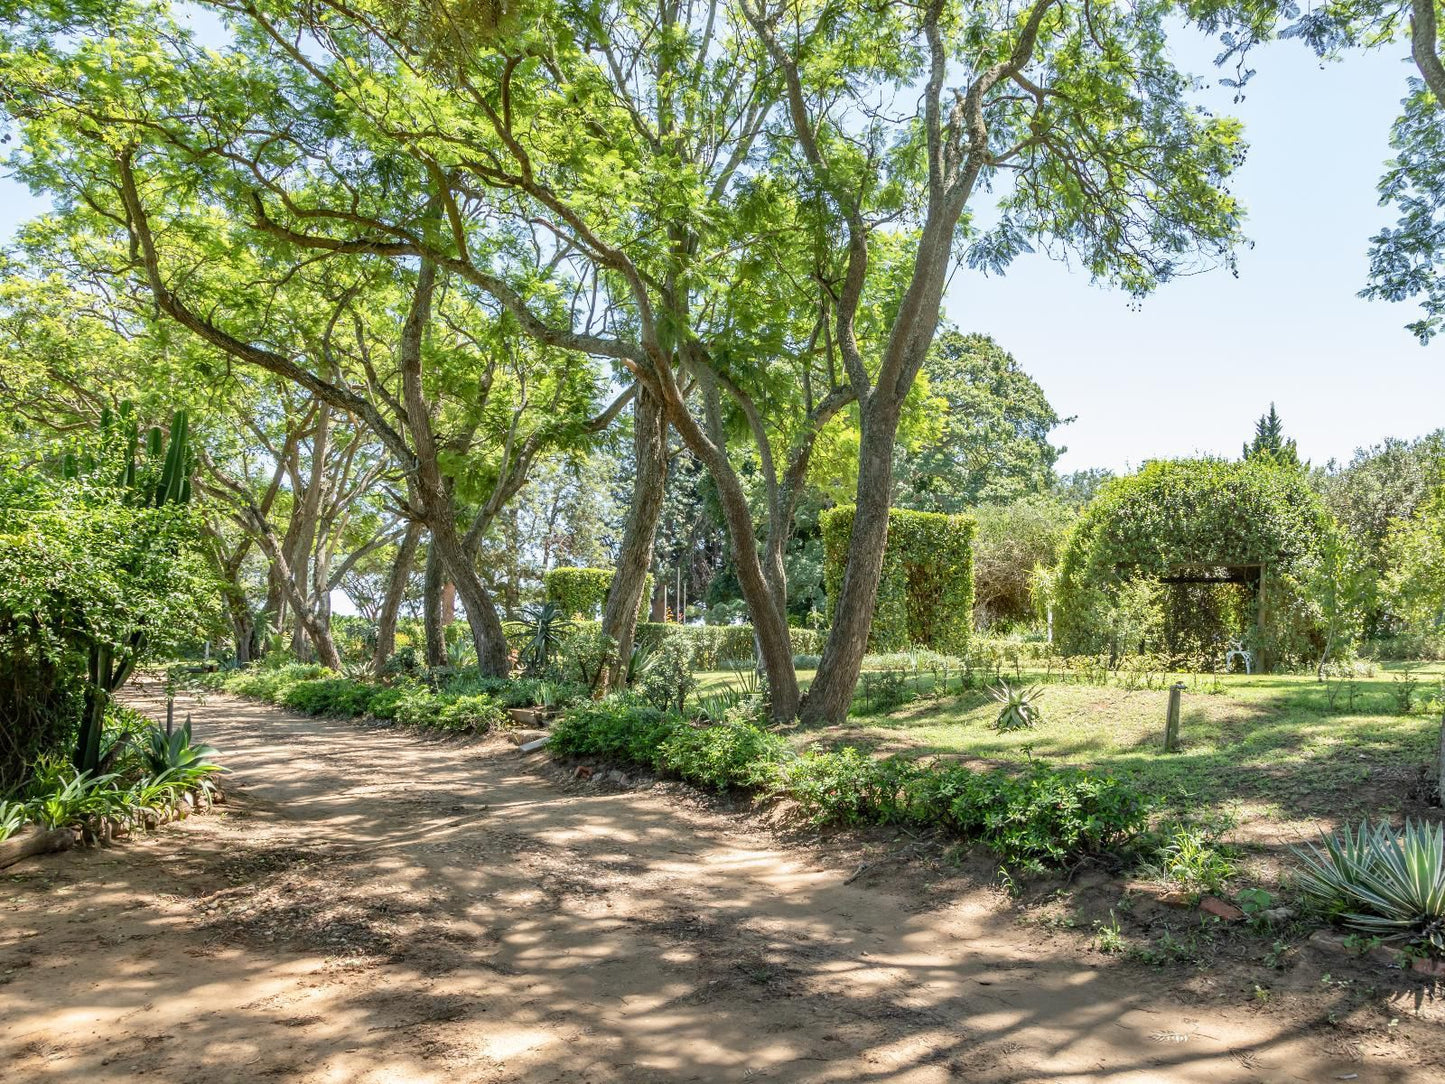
(634, 558)
(431, 607)
(395, 592)
(831, 693)
(493, 659)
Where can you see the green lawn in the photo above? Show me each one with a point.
(1267, 745)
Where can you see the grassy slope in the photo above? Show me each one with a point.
(1267, 744)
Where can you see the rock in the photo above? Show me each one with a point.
(1428, 966)
(1277, 916)
(582, 772)
(616, 776)
(1213, 905)
(522, 737)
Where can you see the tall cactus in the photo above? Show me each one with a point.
(110, 667)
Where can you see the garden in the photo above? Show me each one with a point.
(455, 457)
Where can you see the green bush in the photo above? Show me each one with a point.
(270, 683)
(616, 728)
(384, 701)
(925, 595)
(582, 592)
(475, 714)
(712, 645)
(846, 786)
(328, 696)
(1194, 515)
(724, 756)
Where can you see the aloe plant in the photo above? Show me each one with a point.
(1385, 883)
(1018, 707)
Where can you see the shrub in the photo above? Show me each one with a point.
(582, 592)
(666, 679)
(384, 701)
(1191, 856)
(418, 707)
(925, 595)
(616, 728)
(328, 696)
(476, 714)
(849, 787)
(1018, 707)
(1384, 883)
(724, 756)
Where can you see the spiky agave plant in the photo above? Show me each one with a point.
(1385, 883)
(1018, 707)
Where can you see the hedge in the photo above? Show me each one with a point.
(583, 591)
(925, 594)
(1040, 816)
(1195, 513)
(714, 646)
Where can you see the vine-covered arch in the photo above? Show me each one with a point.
(1187, 552)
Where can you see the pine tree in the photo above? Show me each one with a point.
(1269, 441)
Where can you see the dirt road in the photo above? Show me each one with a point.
(373, 906)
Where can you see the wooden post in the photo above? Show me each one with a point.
(1440, 777)
(170, 713)
(1171, 725)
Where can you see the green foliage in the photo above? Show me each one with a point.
(1269, 442)
(13, 816)
(986, 438)
(341, 696)
(582, 592)
(1415, 556)
(96, 573)
(616, 728)
(925, 594)
(1193, 515)
(1012, 544)
(722, 756)
(666, 681)
(543, 629)
(177, 755)
(845, 786)
(1382, 882)
(712, 645)
(1191, 856)
(1018, 707)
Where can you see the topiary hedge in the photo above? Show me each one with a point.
(713, 646)
(1198, 514)
(583, 591)
(925, 594)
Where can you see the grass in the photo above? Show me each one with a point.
(1272, 744)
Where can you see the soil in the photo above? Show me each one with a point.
(372, 905)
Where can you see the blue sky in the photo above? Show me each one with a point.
(1190, 370)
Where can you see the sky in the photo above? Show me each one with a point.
(1189, 370)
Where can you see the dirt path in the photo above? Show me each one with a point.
(376, 907)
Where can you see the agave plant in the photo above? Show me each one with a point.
(1018, 707)
(543, 627)
(176, 756)
(1385, 883)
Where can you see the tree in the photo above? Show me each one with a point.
(989, 443)
(1269, 441)
(1415, 551)
(1012, 543)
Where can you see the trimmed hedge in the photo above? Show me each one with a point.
(583, 591)
(925, 594)
(1039, 817)
(713, 645)
(1192, 513)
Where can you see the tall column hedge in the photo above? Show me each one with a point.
(583, 591)
(925, 596)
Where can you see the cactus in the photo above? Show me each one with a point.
(110, 668)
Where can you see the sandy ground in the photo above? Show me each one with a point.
(375, 906)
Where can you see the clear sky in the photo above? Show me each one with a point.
(1191, 370)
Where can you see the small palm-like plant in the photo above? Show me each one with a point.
(1018, 707)
(1385, 883)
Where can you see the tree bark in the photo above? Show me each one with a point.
(831, 693)
(395, 592)
(634, 558)
(431, 611)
